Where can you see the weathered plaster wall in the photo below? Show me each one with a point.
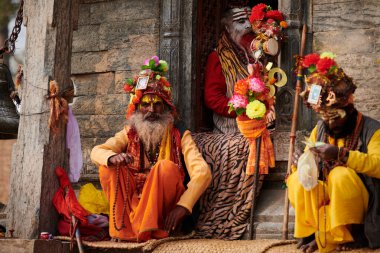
(351, 29)
(5, 166)
(112, 41)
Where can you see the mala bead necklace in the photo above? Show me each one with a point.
(324, 209)
(125, 199)
(153, 158)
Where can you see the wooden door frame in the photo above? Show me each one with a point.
(178, 45)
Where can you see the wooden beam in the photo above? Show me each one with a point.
(38, 151)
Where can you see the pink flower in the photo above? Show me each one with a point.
(238, 101)
(256, 84)
(155, 58)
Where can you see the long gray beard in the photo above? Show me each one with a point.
(150, 132)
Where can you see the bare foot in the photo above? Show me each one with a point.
(350, 246)
(310, 247)
(360, 240)
(305, 240)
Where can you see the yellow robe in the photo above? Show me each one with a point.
(345, 201)
(163, 189)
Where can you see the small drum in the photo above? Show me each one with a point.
(268, 47)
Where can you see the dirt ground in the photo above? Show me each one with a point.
(291, 248)
(5, 164)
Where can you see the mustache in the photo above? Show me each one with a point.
(152, 115)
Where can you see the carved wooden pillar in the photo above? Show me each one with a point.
(38, 151)
(177, 47)
(297, 12)
(170, 42)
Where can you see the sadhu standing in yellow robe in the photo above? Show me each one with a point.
(342, 210)
(142, 168)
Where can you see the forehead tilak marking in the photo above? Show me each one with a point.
(240, 13)
(150, 98)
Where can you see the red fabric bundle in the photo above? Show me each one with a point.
(66, 204)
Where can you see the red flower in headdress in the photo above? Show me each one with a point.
(128, 88)
(324, 65)
(310, 59)
(274, 14)
(257, 13)
(165, 82)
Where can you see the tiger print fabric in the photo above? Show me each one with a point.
(232, 67)
(226, 205)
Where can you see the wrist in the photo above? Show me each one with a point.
(343, 155)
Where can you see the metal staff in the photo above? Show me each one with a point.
(75, 224)
(293, 132)
(255, 182)
(76, 232)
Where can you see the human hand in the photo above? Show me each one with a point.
(296, 155)
(175, 217)
(326, 152)
(120, 159)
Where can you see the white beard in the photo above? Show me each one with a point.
(150, 132)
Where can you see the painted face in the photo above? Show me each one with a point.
(237, 25)
(335, 119)
(151, 106)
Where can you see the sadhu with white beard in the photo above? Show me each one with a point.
(141, 169)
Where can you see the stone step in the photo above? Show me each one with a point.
(269, 215)
(272, 230)
(270, 206)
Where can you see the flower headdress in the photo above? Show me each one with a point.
(327, 86)
(267, 22)
(150, 80)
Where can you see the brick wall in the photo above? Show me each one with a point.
(351, 29)
(112, 41)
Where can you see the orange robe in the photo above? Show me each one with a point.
(162, 191)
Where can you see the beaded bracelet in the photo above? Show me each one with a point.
(342, 152)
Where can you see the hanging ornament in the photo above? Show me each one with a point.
(282, 81)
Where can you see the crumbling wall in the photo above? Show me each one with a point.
(351, 30)
(112, 41)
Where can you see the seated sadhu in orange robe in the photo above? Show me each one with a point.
(142, 168)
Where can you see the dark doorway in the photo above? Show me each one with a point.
(208, 29)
